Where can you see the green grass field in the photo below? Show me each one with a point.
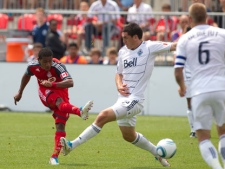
(27, 143)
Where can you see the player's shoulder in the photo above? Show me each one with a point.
(122, 50)
(149, 43)
(33, 63)
(220, 30)
(58, 65)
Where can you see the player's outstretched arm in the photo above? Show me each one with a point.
(63, 84)
(180, 80)
(173, 46)
(24, 81)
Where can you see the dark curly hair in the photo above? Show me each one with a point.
(45, 52)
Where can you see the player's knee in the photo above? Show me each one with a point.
(103, 118)
(60, 127)
(58, 101)
(221, 130)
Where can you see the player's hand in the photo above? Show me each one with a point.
(17, 98)
(124, 90)
(182, 92)
(46, 83)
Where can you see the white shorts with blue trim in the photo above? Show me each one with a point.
(126, 110)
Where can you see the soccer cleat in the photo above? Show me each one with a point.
(163, 161)
(85, 109)
(193, 135)
(66, 146)
(54, 161)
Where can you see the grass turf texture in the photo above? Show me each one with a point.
(27, 142)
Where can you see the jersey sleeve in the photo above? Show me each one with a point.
(180, 53)
(159, 47)
(62, 71)
(28, 70)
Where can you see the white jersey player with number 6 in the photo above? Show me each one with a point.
(203, 49)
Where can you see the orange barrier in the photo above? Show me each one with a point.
(15, 51)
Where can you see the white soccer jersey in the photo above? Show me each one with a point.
(136, 66)
(134, 16)
(203, 49)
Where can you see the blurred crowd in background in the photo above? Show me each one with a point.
(89, 31)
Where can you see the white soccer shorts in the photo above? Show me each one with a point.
(126, 111)
(207, 107)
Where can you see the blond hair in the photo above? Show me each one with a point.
(198, 13)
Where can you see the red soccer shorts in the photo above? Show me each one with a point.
(49, 98)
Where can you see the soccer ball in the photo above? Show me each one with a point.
(166, 148)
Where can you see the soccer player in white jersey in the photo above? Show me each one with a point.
(134, 68)
(187, 82)
(202, 49)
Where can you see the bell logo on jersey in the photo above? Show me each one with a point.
(63, 75)
(131, 63)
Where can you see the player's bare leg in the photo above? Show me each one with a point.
(60, 132)
(137, 139)
(104, 117)
(69, 108)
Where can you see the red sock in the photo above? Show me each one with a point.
(69, 108)
(57, 148)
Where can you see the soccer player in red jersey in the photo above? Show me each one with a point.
(54, 81)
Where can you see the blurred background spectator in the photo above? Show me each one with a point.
(95, 56)
(78, 23)
(183, 24)
(55, 41)
(105, 25)
(165, 25)
(35, 50)
(220, 20)
(73, 56)
(206, 2)
(142, 19)
(41, 29)
(111, 58)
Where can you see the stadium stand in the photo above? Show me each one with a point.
(26, 22)
(14, 19)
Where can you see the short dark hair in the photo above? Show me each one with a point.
(133, 29)
(73, 44)
(166, 6)
(45, 52)
(52, 21)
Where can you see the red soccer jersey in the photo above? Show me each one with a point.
(57, 73)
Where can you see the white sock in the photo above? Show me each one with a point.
(190, 119)
(143, 143)
(86, 135)
(209, 154)
(221, 148)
